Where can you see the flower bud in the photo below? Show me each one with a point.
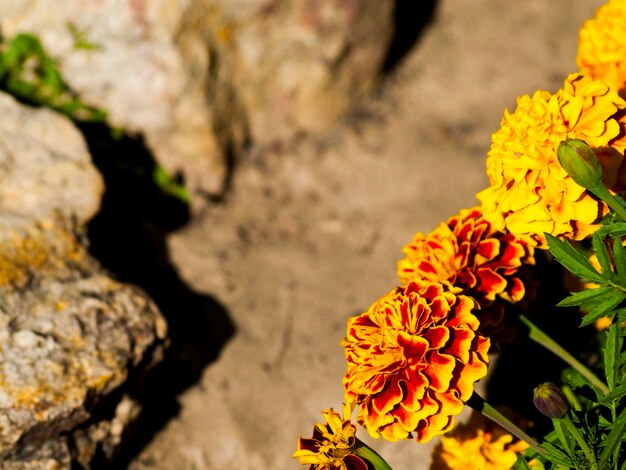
(549, 399)
(580, 162)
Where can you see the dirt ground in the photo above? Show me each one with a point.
(310, 232)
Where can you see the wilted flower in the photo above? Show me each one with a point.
(479, 444)
(467, 252)
(530, 193)
(602, 44)
(413, 358)
(332, 444)
(549, 399)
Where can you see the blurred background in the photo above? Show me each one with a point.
(262, 163)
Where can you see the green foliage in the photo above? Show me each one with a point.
(81, 41)
(28, 73)
(591, 434)
(31, 75)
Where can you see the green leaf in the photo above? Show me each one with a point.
(168, 185)
(613, 439)
(603, 308)
(619, 255)
(615, 395)
(599, 248)
(554, 455)
(573, 378)
(521, 464)
(558, 429)
(621, 315)
(572, 259)
(614, 230)
(609, 352)
(582, 297)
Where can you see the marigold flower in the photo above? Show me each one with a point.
(332, 444)
(530, 193)
(413, 358)
(478, 444)
(467, 252)
(602, 44)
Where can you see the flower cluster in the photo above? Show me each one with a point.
(555, 166)
(530, 193)
(602, 44)
(413, 358)
(477, 444)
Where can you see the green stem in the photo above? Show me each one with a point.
(479, 404)
(370, 456)
(571, 397)
(616, 357)
(603, 193)
(573, 430)
(538, 336)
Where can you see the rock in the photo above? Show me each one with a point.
(299, 65)
(201, 79)
(69, 334)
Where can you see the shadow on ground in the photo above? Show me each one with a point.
(410, 18)
(128, 237)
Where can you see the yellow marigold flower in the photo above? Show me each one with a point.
(530, 193)
(467, 252)
(332, 444)
(412, 359)
(602, 44)
(479, 444)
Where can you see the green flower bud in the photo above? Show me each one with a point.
(580, 162)
(549, 399)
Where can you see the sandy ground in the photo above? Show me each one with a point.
(310, 233)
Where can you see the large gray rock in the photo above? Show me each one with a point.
(69, 334)
(203, 78)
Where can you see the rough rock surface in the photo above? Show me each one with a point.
(201, 78)
(69, 334)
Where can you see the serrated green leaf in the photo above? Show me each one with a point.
(619, 392)
(604, 308)
(558, 429)
(572, 259)
(555, 455)
(582, 297)
(619, 255)
(613, 439)
(602, 254)
(610, 367)
(615, 230)
(621, 315)
(573, 378)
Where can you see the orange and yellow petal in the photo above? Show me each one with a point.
(602, 44)
(472, 255)
(529, 191)
(412, 360)
(332, 444)
(477, 444)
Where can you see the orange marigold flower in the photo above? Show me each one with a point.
(467, 252)
(478, 444)
(332, 444)
(413, 358)
(530, 193)
(602, 44)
